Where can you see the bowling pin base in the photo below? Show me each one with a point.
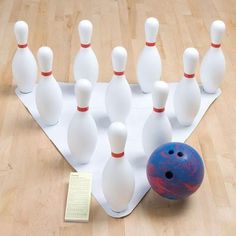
(78, 163)
(50, 123)
(210, 91)
(185, 124)
(82, 162)
(25, 92)
(145, 92)
(119, 211)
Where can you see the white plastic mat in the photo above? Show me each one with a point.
(141, 108)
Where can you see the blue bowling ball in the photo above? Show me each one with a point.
(175, 170)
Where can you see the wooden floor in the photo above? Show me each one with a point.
(33, 174)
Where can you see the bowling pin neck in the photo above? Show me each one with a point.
(46, 74)
(117, 155)
(217, 32)
(151, 30)
(214, 45)
(159, 110)
(84, 46)
(45, 59)
(189, 76)
(85, 32)
(117, 135)
(21, 32)
(190, 61)
(22, 45)
(159, 96)
(83, 89)
(148, 44)
(119, 60)
(119, 73)
(82, 109)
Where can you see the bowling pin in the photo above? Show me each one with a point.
(86, 64)
(48, 95)
(149, 61)
(118, 94)
(24, 66)
(118, 178)
(157, 129)
(82, 131)
(187, 97)
(213, 64)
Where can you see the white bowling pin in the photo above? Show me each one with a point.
(86, 64)
(157, 129)
(82, 132)
(24, 66)
(149, 61)
(48, 95)
(187, 97)
(213, 64)
(118, 181)
(118, 95)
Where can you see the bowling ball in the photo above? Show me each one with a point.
(175, 170)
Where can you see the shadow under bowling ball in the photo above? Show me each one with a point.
(158, 207)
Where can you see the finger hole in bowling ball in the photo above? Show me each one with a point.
(180, 154)
(169, 175)
(171, 152)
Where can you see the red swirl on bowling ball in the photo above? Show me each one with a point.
(175, 170)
